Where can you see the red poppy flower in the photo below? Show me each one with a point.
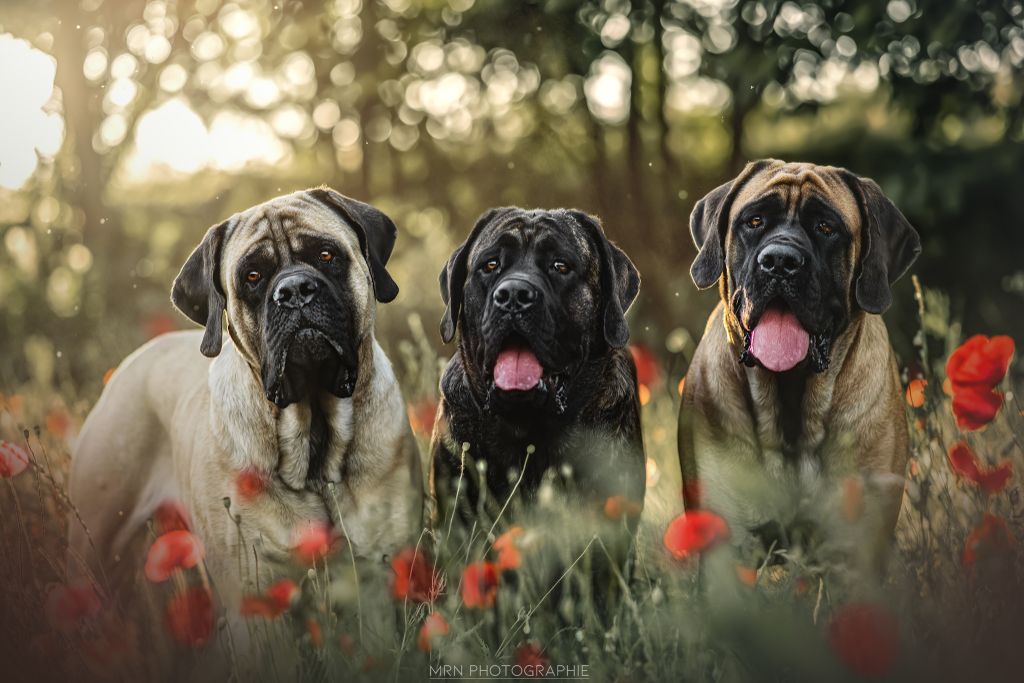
(414, 577)
(159, 323)
(480, 585)
(312, 542)
(316, 634)
(68, 605)
(694, 532)
(421, 416)
(916, 393)
(975, 407)
(866, 638)
(991, 536)
(647, 371)
(980, 361)
(508, 551)
(170, 515)
(13, 459)
(189, 616)
(174, 550)
(273, 603)
(530, 656)
(619, 506)
(250, 483)
(434, 628)
(965, 463)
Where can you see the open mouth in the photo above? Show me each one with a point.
(778, 341)
(517, 367)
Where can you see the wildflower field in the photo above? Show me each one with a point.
(513, 596)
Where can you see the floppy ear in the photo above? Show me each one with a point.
(196, 291)
(709, 221)
(620, 280)
(376, 234)
(889, 244)
(453, 276)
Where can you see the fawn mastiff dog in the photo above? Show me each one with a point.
(299, 397)
(794, 384)
(537, 300)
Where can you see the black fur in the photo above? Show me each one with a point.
(584, 416)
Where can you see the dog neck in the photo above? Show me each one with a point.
(304, 444)
(792, 409)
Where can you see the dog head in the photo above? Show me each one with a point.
(798, 250)
(297, 277)
(535, 294)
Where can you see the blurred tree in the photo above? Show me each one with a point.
(178, 112)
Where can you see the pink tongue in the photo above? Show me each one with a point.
(778, 340)
(517, 370)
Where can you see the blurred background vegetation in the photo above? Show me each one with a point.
(129, 126)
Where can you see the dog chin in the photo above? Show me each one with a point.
(311, 362)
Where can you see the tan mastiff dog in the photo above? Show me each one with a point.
(300, 402)
(794, 388)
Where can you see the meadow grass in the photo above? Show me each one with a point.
(951, 606)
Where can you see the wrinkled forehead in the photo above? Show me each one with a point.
(283, 223)
(795, 184)
(535, 231)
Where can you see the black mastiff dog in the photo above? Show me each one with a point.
(542, 383)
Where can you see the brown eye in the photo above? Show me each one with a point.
(562, 267)
(824, 228)
(491, 266)
(755, 222)
(326, 256)
(253, 276)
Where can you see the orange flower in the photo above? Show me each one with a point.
(58, 422)
(980, 361)
(480, 585)
(316, 634)
(619, 507)
(975, 407)
(170, 515)
(13, 459)
(866, 638)
(174, 550)
(415, 577)
(189, 616)
(68, 605)
(273, 603)
(107, 375)
(312, 542)
(250, 483)
(682, 385)
(508, 553)
(421, 416)
(434, 628)
(965, 463)
(530, 656)
(694, 532)
(915, 392)
(990, 536)
(747, 575)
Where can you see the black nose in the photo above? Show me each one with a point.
(295, 291)
(515, 295)
(780, 260)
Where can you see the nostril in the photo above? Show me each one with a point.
(502, 296)
(525, 295)
(307, 288)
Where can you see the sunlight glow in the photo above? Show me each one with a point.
(29, 131)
